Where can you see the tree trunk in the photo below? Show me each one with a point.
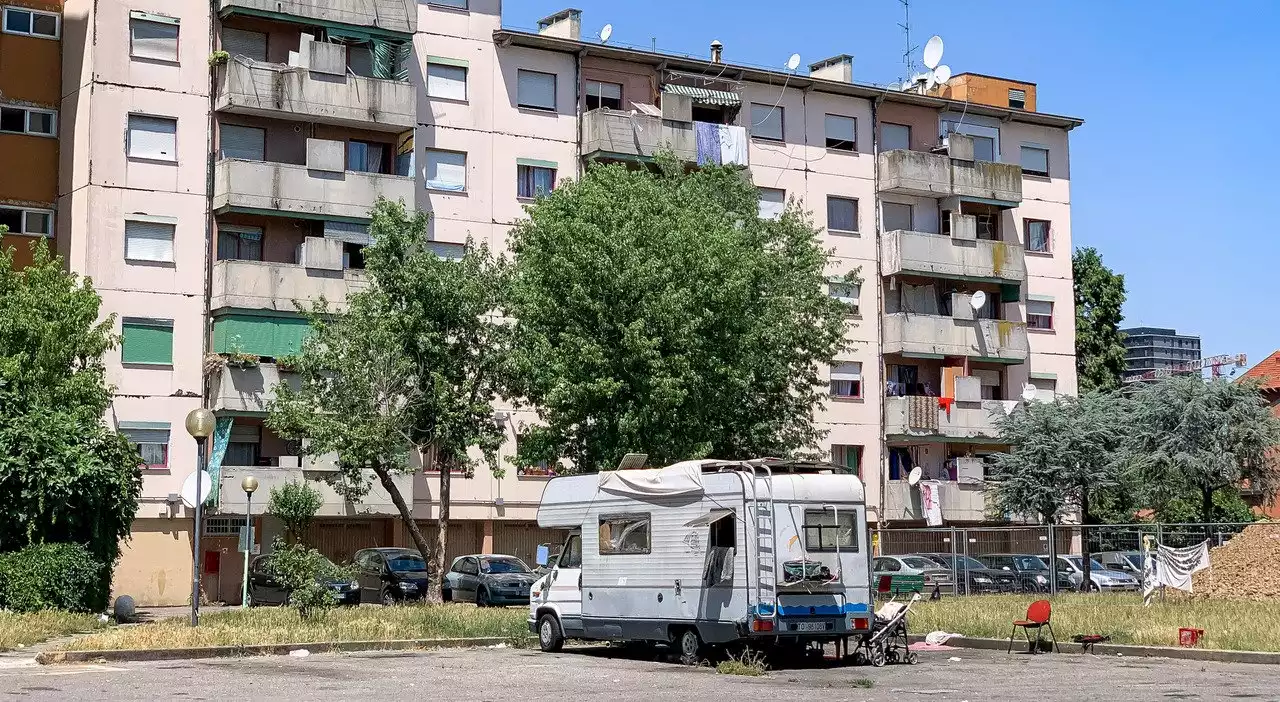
(1206, 505)
(1085, 580)
(442, 537)
(406, 514)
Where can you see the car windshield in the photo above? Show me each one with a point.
(1077, 563)
(920, 563)
(1135, 560)
(1030, 563)
(968, 563)
(406, 562)
(503, 565)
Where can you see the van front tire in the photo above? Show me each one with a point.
(550, 637)
(690, 646)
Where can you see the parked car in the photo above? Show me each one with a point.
(1101, 579)
(1032, 572)
(979, 577)
(265, 589)
(934, 574)
(390, 575)
(488, 580)
(1124, 561)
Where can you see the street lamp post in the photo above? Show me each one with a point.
(200, 423)
(249, 485)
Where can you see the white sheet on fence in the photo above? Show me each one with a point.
(1173, 567)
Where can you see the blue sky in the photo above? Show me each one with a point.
(1169, 173)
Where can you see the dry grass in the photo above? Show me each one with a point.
(279, 625)
(1253, 626)
(21, 630)
(748, 663)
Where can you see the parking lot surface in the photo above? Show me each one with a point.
(597, 673)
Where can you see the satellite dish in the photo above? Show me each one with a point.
(189, 488)
(794, 62)
(913, 478)
(942, 74)
(930, 83)
(908, 85)
(1029, 392)
(933, 52)
(978, 300)
(606, 33)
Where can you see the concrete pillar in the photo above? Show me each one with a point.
(486, 545)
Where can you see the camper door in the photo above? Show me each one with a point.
(564, 587)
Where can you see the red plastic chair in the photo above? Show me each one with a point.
(1038, 615)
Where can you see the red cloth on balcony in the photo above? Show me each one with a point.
(945, 403)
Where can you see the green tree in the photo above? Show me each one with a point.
(295, 503)
(656, 312)
(305, 575)
(413, 364)
(64, 476)
(1100, 297)
(1189, 436)
(1062, 455)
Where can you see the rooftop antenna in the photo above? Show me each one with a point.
(794, 62)
(908, 59)
(937, 74)
(605, 33)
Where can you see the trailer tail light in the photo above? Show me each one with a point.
(762, 625)
(861, 623)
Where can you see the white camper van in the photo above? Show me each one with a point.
(706, 553)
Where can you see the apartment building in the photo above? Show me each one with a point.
(30, 90)
(256, 137)
(1148, 349)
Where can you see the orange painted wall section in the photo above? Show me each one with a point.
(31, 67)
(35, 181)
(987, 90)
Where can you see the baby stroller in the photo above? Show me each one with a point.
(887, 640)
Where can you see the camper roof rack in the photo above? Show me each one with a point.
(777, 465)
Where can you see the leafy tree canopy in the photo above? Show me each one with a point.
(1100, 297)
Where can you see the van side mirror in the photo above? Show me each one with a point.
(544, 555)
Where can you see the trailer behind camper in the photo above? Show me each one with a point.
(706, 553)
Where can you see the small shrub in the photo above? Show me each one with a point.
(295, 503)
(747, 663)
(305, 575)
(864, 683)
(53, 576)
(219, 58)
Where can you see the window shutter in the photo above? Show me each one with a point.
(153, 40)
(249, 143)
(895, 136)
(153, 137)
(847, 371)
(446, 170)
(895, 216)
(1039, 307)
(841, 128)
(348, 232)
(773, 202)
(148, 341)
(448, 82)
(241, 42)
(535, 89)
(145, 436)
(148, 241)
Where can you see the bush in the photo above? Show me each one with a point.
(304, 574)
(295, 503)
(53, 576)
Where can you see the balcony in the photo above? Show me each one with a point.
(394, 16)
(935, 336)
(247, 390)
(377, 502)
(262, 285)
(610, 133)
(263, 186)
(280, 91)
(959, 502)
(921, 174)
(923, 418)
(938, 256)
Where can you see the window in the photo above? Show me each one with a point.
(846, 380)
(623, 534)
(148, 241)
(894, 136)
(153, 36)
(154, 138)
(447, 250)
(534, 181)
(773, 201)
(827, 530)
(987, 226)
(223, 526)
(239, 243)
(242, 42)
(1035, 161)
(848, 293)
(1046, 388)
(446, 170)
(248, 143)
(766, 121)
(447, 81)
(1017, 98)
(842, 214)
(536, 90)
(147, 341)
(984, 148)
(26, 120)
(895, 216)
(571, 555)
(459, 4)
(1039, 314)
(152, 441)
(603, 95)
(1037, 235)
(887, 565)
(366, 156)
(32, 23)
(842, 133)
(25, 221)
(848, 456)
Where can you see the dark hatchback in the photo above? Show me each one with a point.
(265, 589)
(980, 578)
(390, 575)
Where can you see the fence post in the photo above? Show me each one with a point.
(1053, 560)
(955, 569)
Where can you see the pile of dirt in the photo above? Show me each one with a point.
(1246, 567)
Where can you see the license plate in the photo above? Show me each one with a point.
(811, 626)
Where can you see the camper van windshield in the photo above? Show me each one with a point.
(823, 532)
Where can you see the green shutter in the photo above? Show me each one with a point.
(259, 335)
(148, 341)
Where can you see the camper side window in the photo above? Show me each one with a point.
(823, 532)
(624, 534)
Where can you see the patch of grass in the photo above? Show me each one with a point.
(864, 683)
(1227, 625)
(33, 627)
(280, 625)
(747, 663)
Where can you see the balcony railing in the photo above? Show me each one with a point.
(935, 336)
(397, 16)
(958, 502)
(926, 418)
(377, 502)
(283, 187)
(923, 174)
(938, 256)
(277, 90)
(247, 389)
(611, 133)
(262, 285)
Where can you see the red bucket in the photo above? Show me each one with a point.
(1189, 637)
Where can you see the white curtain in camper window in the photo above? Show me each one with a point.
(684, 478)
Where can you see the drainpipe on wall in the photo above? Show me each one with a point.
(577, 103)
(210, 160)
(883, 465)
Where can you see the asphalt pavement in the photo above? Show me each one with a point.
(598, 673)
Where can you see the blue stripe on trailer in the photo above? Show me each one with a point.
(814, 610)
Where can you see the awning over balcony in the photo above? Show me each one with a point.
(348, 232)
(705, 96)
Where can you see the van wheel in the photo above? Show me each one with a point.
(690, 646)
(550, 638)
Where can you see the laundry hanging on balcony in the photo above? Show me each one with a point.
(720, 143)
